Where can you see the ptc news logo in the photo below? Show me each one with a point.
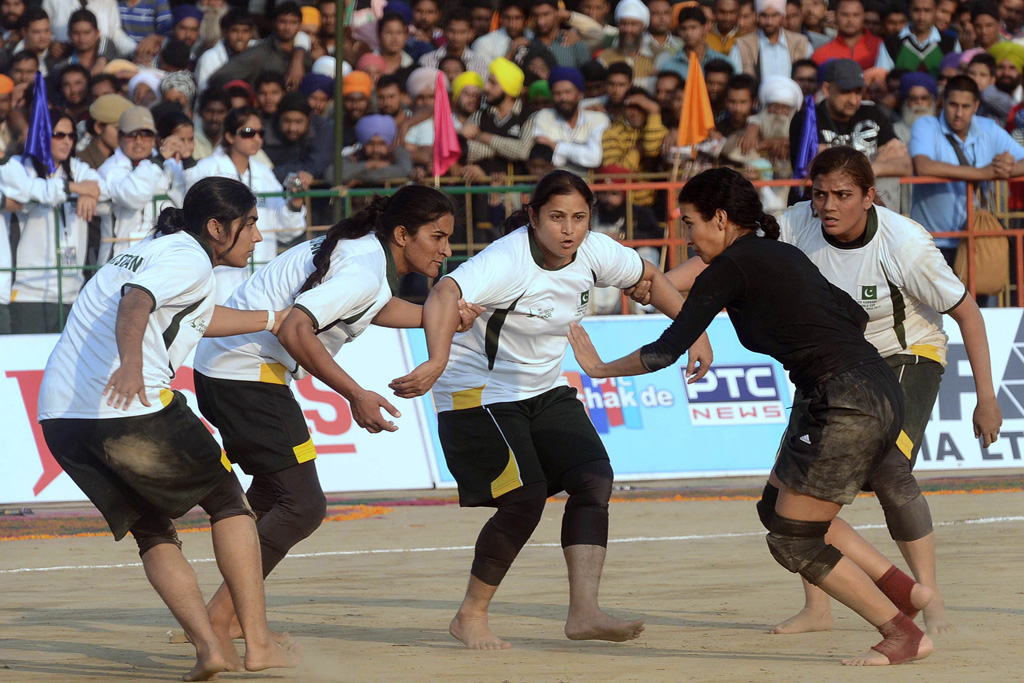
(736, 394)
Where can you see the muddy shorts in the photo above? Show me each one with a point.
(840, 432)
(163, 463)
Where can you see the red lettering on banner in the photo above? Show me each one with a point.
(725, 413)
(773, 411)
(343, 414)
(700, 412)
(749, 412)
(29, 382)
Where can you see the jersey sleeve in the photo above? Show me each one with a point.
(614, 265)
(786, 227)
(347, 294)
(494, 276)
(173, 277)
(925, 274)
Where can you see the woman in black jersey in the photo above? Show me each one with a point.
(852, 405)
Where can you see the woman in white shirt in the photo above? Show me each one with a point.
(145, 463)
(54, 221)
(281, 219)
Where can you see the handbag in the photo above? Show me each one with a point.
(991, 254)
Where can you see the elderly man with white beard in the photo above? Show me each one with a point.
(919, 92)
(767, 132)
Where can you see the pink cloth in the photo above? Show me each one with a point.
(446, 142)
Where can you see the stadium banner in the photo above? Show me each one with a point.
(349, 458)
(657, 427)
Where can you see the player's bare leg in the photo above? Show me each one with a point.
(586, 620)
(470, 623)
(816, 614)
(218, 607)
(171, 575)
(236, 546)
(920, 555)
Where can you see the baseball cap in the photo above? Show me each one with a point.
(846, 74)
(136, 118)
(108, 108)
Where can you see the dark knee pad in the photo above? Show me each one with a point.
(507, 531)
(766, 506)
(151, 531)
(910, 521)
(226, 500)
(800, 547)
(585, 521)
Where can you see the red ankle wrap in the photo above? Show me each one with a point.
(897, 586)
(901, 639)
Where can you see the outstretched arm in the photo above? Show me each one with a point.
(400, 314)
(440, 321)
(230, 321)
(681, 278)
(987, 416)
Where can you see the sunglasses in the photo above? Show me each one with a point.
(249, 133)
(61, 135)
(143, 134)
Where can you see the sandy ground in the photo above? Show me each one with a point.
(707, 597)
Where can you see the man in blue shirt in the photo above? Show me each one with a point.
(989, 151)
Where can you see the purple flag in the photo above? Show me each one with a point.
(40, 129)
(808, 148)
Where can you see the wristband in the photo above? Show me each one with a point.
(271, 316)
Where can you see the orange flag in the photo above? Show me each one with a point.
(696, 119)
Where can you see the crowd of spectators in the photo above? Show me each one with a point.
(157, 94)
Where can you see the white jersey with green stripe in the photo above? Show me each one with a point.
(360, 280)
(895, 272)
(514, 350)
(177, 272)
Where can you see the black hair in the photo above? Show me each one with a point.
(692, 14)
(963, 84)
(114, 81)
(556, 183)
(437, 3)
(214, 95)
(224, 200)
(718, 66)
(33, 15)
(622, 69)
(412, 207)
(846, 160)
(270, 77)
(234, 120)
(236, 17)
(874, 6)
(986, 59)
(449, 58)
(74, 68)
(593, 71)
(387, 18)
(539, 3)
(238, 91)
(85, 15)
(802, 64)
(458, 14)
(637, 90)
(56, 114)
(386, 80)
(671, 74)
(509, 4)
(896, 7)
(859, 2)
(288, 7)
(170, 120)
(22, 56)
(726, 189)
(744, 82)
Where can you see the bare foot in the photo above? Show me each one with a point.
(272, 656)
(921, 596)
(207, 667)
(474, 633)
(936, 620)
(805, 621)
(280, 638)
(227, 646)
(601, 626)
(874, 658)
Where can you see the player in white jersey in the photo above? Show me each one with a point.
(890, 266)
(145, 463)
(338, 284)
(512, 430)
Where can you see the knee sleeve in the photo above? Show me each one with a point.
(766, 506)
(153, 530)
(507, 531)
(226, 500)
(585, 521)
(910, 521)
(800, 547)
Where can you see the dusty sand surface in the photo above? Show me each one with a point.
(708, 599)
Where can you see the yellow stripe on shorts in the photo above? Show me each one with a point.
(509, 479)
(166, 396)
(467, 398)
(224, 461)
(905, 445)
(305, 452)
(926, 351)
(273, 373)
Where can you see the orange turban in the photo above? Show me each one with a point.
(6, 85)
(357, 82)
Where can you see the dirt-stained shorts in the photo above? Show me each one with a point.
(163, 463)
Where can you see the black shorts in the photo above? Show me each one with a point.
(497, 448)
(840, 432)
(920, 378)
(261, 424)
(130, 467)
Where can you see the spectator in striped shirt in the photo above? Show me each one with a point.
(633, 140)
(143, 18)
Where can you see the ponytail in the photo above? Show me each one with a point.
(412, 207)
(769, 226)
(171, 220)
(214, 198)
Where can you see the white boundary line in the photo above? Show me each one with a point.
(393, 551)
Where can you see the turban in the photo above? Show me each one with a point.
(356, 82)
(182, 12)
(765, 5)
(376, 124)
(310, 83)
(633, 9)
(183, 82)
(293, 100)
(1007, 51)
(368, 61)
(539, 90)
(875, 74)
(325, 66)
(311, 15)
(6, 85)
(464, 79)
(239, 83)
(399, 8)
(967, 55)
(950, 61)
(918, 78)
(148, 76)
(422, 80)
(781, 90)
(509, 76)
(566, 73)
(616, 170)
(117, 66)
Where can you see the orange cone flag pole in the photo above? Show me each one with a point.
(696, 119)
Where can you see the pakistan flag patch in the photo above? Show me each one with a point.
(869, 292)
